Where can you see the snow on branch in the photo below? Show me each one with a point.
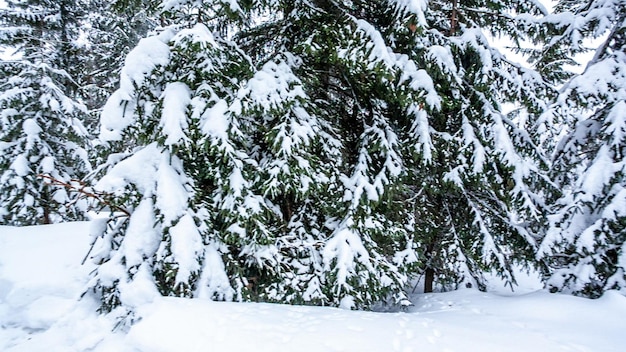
(176, 98)
(415, 7)
(271, 86)
(140, 62)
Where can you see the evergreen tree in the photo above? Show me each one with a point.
(170, 115)
(419, 92)
(41, 132)
(585, 245)
(346, 91)
(292, 135)
(476, 182)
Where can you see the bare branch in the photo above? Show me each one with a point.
(80, 187)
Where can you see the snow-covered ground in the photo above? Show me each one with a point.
(41, 279)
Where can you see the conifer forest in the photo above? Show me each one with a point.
(320, 152)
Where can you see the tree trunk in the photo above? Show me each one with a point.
(46, 215)
(453, 17)
(45, 197)
(429, 274)
(429, 278)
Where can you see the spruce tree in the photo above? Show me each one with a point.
(41, 130)
(317, 152)
(476, 181)
(178, 144)
(585, 244)
(353, 238)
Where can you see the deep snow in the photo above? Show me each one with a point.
(41, 279)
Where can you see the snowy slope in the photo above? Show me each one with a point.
(41, 279)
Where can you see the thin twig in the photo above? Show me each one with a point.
(82, 190)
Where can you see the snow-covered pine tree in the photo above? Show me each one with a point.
(41, 130)
(361, 97)
(183, 177)
(346, 90)
(475, 181)
(586, 242)
(292, 158)
(414, 95)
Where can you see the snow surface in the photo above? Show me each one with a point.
(41, 279)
